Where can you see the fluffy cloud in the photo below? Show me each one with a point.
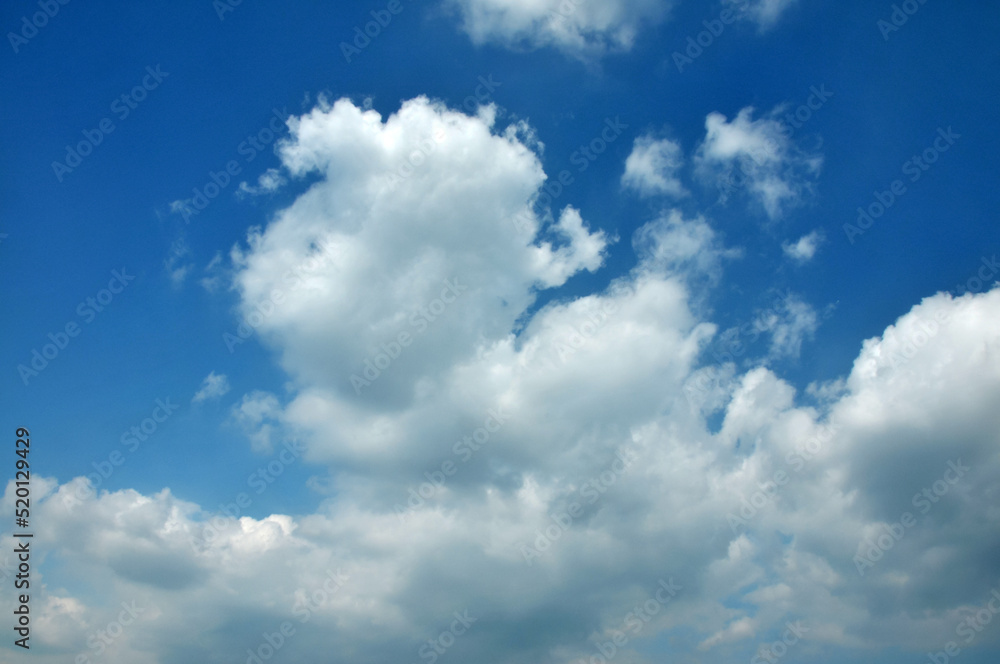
(689, 248)
(651, 168)
(791, 327)
(758, 158)
(923, 392)
(413, 233)
(577, 27)
(496, 433)
(803, 250)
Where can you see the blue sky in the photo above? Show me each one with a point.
(214, 81)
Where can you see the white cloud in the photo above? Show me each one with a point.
(214, 386)
(651, 169)
(394, 244)
(912, 404)
(686, 248)
(789, 321)
(790, 327)
(578, 27)
(179, 274)
(580, 381)
(216, 274)
(258, 414)
(764, 12)
(803, 250)
(269, 181)
(582, 28)
(756, 157)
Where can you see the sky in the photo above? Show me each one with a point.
(503, 331)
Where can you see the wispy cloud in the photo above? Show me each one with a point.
(214, 386)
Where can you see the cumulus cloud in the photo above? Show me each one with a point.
(758, 159)
(214, 386)
(924, 391)
(506, 460)
(395, 243)
(651, 169)
(577, 27)
(803, 250)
